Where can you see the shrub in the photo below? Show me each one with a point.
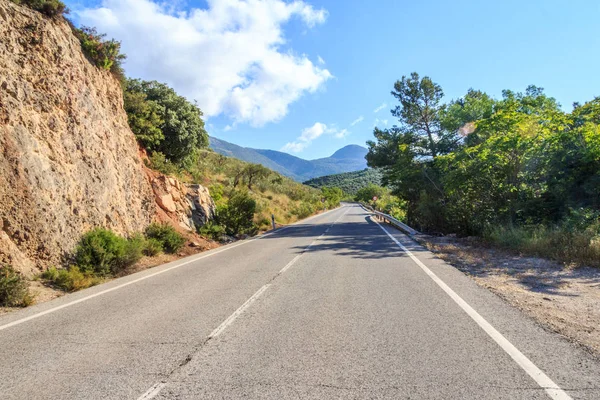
(105, 54)
(303, 210)
(238, 214)
(134, 249)
(13, 288)
(153, 247)
(50, 8)
(159, 162)
(71, 279)
(170, 239)
(211, 230)
(102, 252)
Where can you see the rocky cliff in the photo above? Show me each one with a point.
(68, 160)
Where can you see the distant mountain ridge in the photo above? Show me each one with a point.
(349, 182)
(347, 159)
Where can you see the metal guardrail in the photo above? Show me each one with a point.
(390, 220)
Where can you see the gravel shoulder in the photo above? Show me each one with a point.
(562, 299)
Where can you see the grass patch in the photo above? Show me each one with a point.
(579, 247)
(71, 279)
(14, 291)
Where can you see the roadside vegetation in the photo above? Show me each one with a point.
(246, 195)
(102, 254)
(517, 171)
(171, 131)
(14, 290)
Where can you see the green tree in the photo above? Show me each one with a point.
(332, 196)
(144, 117)
(179, 121)
(237, 215)
(419, 113)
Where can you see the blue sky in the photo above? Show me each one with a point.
(321, 65)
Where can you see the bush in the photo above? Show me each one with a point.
(153, 247)
(169, 238)
(13, 288)
(211, 230)
(105, 54)
(103, 253)
(303, 210)
(50, 8)
(71, 279)
(237, 216)
(159, 162)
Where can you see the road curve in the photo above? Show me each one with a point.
(334, 307)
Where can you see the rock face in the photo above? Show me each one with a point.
(68, 160)
(185, 205)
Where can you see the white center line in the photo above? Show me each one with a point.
(180, 264)
(552, 389)
(238, 312)
(155, 389)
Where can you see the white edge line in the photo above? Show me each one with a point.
(552, 389)
(153, 391)
(103, 292)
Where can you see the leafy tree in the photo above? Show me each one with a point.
(332, 196)
(237, 215)
(252, 172)
(419, 113)
(144, 117)
(367, 193)
(179, 121)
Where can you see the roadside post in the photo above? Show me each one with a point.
(273, 220)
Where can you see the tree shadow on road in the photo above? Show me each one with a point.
(361, 239)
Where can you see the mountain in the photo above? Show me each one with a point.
(347, 159)
(349, 182)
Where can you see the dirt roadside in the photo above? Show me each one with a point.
(562, 299)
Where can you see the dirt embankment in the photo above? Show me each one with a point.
(562, 299)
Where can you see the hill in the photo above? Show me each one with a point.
(347, 159)
(349, 182)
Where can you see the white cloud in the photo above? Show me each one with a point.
(320, 60)
(294, 147)
(381, 107)
(342, 134)
(357, 121)
(229, 57)
(311, 133)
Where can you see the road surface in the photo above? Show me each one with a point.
(336, 307)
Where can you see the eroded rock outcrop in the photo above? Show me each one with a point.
(68, 160)
(186, 205)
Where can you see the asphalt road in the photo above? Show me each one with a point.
(334, 307)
